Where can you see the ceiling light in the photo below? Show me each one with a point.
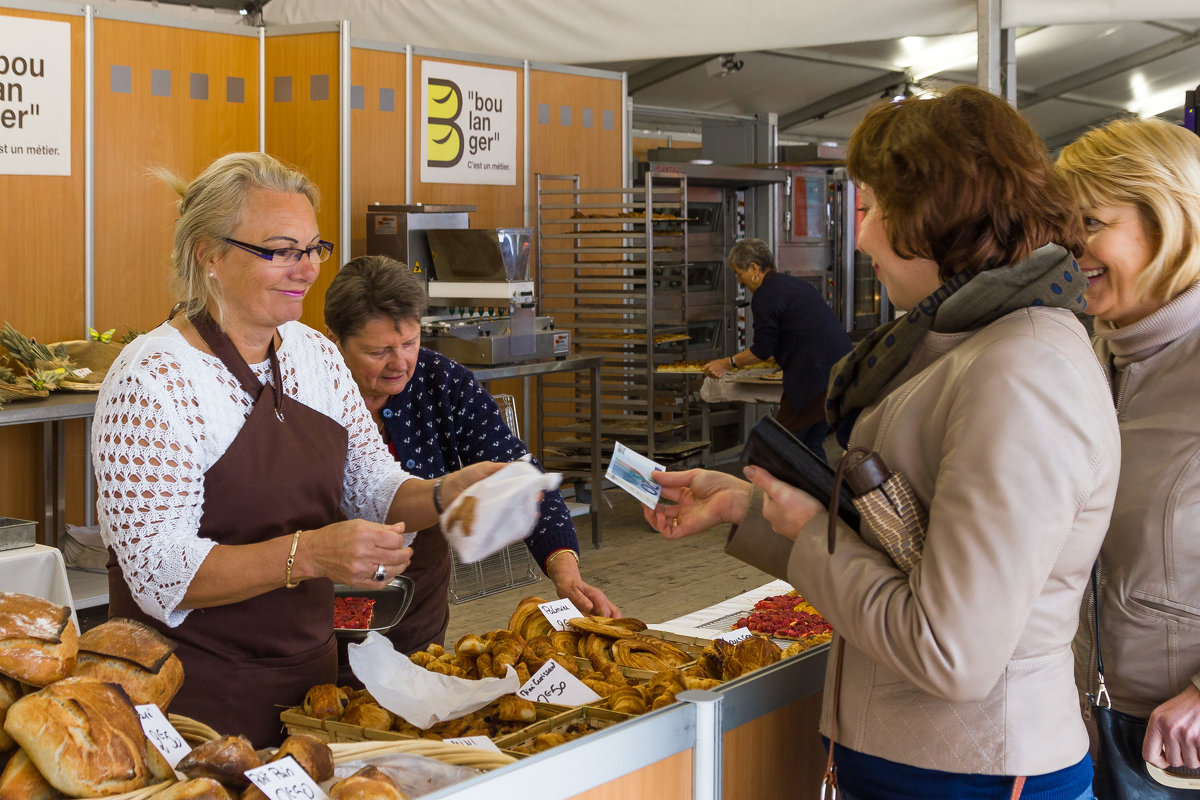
(1154, 104)
(722, 65)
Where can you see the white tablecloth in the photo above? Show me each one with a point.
(38, 570)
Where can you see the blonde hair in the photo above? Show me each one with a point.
(1153, 166)
(210, 208)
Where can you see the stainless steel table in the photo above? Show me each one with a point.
(538, 369)
(51, 412)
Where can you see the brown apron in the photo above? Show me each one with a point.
(243, 662)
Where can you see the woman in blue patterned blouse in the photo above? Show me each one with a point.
(435, 417)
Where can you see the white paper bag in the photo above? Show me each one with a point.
(496, 511)
(416, 694)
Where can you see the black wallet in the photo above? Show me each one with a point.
(773, 447)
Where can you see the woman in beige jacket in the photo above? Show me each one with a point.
(1138, 183)
(957, 678)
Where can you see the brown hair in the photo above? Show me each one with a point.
(369, 287)
(962, 180)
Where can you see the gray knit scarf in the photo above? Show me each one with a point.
(966, 302)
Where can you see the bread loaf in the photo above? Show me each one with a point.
(38, 640)
(369, 783)
(313, 755)
(10, 692)
(223, 760)
(84, 736)
(195, 789)
(134, 655)
(20, 780)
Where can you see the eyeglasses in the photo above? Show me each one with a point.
(287, 256)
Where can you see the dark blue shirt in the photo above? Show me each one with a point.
(444, 420)
(793, 324)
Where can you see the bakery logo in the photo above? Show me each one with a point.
(445, 138)
(35, 97)
(469, 115)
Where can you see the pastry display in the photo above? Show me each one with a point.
(38, 641)
(136, 656)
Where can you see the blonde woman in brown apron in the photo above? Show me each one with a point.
(239, 473)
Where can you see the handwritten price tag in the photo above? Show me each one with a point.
(558, 612)
(162, 734)
(553, 684)
(736, 635)
(285, 780)
(482, 742)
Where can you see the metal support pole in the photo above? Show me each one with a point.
(1008, 64)
(344, 226)
(988, 29)
(707, 755)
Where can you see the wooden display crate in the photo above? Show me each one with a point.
(599, 717)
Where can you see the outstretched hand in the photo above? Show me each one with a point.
(702, 498)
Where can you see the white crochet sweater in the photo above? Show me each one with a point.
(167, 412)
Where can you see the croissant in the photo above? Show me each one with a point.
(612, 674)
(596, 649)
(544, 741)
(506, 650)
(700, 683)
(422, 658)
(756, 652)
(470, 645)
(598, 685)
(662, 699)
(435, 650)
(483, 666)
(627, 700)
(523, 674)
(511, 708)
(325, 701)
(468, 664)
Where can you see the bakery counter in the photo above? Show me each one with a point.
(753, 737)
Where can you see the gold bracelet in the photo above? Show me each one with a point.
(558, 553)
(287, 578)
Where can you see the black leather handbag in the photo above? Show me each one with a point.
(1120, 770)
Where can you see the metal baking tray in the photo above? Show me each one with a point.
(16, 533)
(391, 603)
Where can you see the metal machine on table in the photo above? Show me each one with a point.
(482, 303)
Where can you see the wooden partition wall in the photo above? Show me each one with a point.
(176, 98)
(42, 277)
(303, 88)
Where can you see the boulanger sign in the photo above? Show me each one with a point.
(35, 97)
(468, 124)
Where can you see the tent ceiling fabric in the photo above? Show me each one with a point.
(591, 31)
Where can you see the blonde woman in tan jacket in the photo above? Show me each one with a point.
(1138, 183)
(957, 678)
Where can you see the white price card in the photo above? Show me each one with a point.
(736, 635)
(558, 612)
(162, 734)
(285, 780)
(553, 684)
(631, 471)
(482, 742)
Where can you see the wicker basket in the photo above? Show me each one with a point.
(456, 754)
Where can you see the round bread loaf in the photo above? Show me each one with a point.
(38, 639)
(20, 780)
(10, 692)
(224, 760)
(369, 783)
